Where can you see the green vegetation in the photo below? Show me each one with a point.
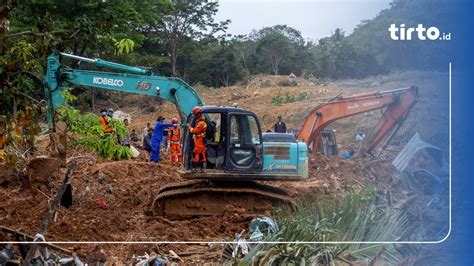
(88, 133)
(31, 30)
(280, 99)
(182, 38)
(325, 219)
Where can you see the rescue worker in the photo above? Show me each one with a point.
(147, 140)
(360, 137)
(164, 143)
(145, 131)
(110, 113)
(280, 126)
(347, 154)
(157, 138)
(134, 137)
(174, 139)
(126, 141)
(104, 121)
(199, 135)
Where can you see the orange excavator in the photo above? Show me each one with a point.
(396, 104)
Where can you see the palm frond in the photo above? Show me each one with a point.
(330, 218)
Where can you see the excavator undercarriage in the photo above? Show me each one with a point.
(197, 198)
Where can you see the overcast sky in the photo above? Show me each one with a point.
(314, 18)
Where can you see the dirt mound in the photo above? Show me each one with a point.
(127, 188)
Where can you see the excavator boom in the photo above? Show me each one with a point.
(130, 79)
(396, 104)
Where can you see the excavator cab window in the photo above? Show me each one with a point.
(244, 151)
(215, 145)
(236, 145)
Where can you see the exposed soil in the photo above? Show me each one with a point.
(129, 187)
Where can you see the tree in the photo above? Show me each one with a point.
(188, 19)
(216, 63)
(39, 27)
(275, 47)
(31, 30)
(226, 68)
(245, 51)
(293, 35)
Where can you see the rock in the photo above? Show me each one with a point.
(98, 256)
(40, 169)
(121, 115)
(101, 177)
(288, 83)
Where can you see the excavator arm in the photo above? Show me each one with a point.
(130, 79)
(396, 104)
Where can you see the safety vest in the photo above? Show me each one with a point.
(174, 135)
(200, 129)
(105, 125)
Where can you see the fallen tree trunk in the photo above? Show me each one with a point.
(51, 212)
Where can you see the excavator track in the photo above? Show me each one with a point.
(197, 198)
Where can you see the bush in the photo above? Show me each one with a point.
(279, 99)
(265, 84)
(89, 134)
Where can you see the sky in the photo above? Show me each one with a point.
(314, 18)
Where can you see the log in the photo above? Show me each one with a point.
(51, 212)
(23, 237)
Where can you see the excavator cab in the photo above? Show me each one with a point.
(233, 141)
(236, 149)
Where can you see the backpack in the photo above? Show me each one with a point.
(210, 130)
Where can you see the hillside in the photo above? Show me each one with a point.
(257, 96)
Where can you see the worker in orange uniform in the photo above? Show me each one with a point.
(199, 135)
(104, 121)
(174, 140)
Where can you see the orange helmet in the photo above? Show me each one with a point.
(197, 110)
(174, 120)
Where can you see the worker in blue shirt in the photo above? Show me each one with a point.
(347, 154)
(156, 139)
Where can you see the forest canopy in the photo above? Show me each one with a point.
(182, 38)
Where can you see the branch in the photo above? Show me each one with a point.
(32, 33)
